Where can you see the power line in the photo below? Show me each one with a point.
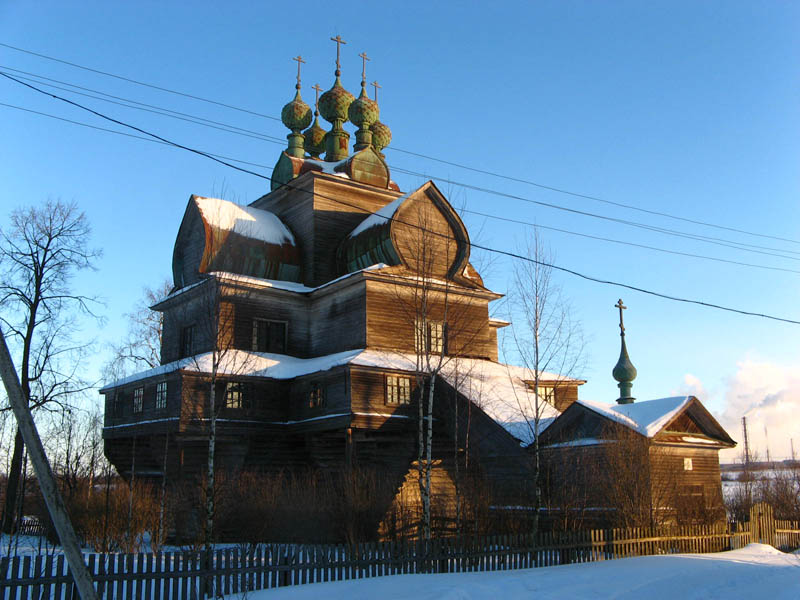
(590, 197)
(250, 133)
(129, 80)
(474, 245)
(130, 135)
(127, 102)
(420, 155)
(473, 212)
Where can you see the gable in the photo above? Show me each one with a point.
(419, 231)
(218, 235)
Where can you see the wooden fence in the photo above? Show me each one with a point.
(180, 575)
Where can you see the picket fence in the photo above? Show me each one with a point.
(235, 571)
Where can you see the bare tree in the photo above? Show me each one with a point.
(39, 254)
(141, 347)
(546, 339)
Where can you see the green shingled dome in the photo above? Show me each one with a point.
(315, 139)
(334, 104)
(363, 111)
(381, 135)
(296, 114)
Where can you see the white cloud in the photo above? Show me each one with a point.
(768, 394)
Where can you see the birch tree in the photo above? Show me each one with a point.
(545, 338)
(40, 252)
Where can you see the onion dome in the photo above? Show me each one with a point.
(624, 371)
(315, 139)
(334, 104)
(315, 135)
(296, 114)
(381, 135)
(364, 111)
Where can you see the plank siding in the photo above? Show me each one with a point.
(391, 314)
(321, 210)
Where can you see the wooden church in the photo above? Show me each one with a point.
(314, 313)
(636, 463)
(307, 323)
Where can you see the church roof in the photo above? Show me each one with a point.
(647, 417)
(246, 221)
(499, 390)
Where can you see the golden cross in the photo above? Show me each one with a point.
(364, 59)
(621, 307)
(377, 87)
(300, 61)
(317, 89)
(339, 41)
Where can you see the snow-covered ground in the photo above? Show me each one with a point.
(756, 571)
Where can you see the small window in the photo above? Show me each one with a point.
(269, 336)
(687, 464)
(234, 395)
(117, 404)
(432, 338)
(138, 397)
(161, 395)
(398, 389)
(316, 396)
(187, 340)
(547, 394)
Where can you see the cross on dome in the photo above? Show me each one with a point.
(364, 59)
(339, 41)
(621, 307)
(300, 61)
(377, 87)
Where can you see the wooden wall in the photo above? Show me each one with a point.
(391, 313)
(321, 210)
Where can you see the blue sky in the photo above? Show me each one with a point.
(688, 108)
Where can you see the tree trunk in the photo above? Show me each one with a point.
(12, 486)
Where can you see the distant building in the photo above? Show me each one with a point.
(659, 457)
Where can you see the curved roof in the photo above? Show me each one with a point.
(420, 224)
(219, 235)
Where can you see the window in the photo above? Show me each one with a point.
(187, 340)
(161, 395)
(138, 396)
(432, 338)
(398, 389)
(117, 404)
(687, 464)
(234, 395)
(547, 394)
(316, 396)
(269, 336)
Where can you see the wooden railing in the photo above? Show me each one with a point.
(184, 575)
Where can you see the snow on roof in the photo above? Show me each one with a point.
(244, 220)
(379, 217)
(330, 167)
(289, 286)
(497, 389)
(647, 417)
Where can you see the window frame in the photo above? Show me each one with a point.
(397, 390)
(138, 400)
(187, 341)
(317, 396)
(254, 337)
(237, 390)
(161, 395)
(424, 337)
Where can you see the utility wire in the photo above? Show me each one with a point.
(254, 134)
(425, 156)
(465, 210)
(129, 80)
(130, 135)
(361, 209)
